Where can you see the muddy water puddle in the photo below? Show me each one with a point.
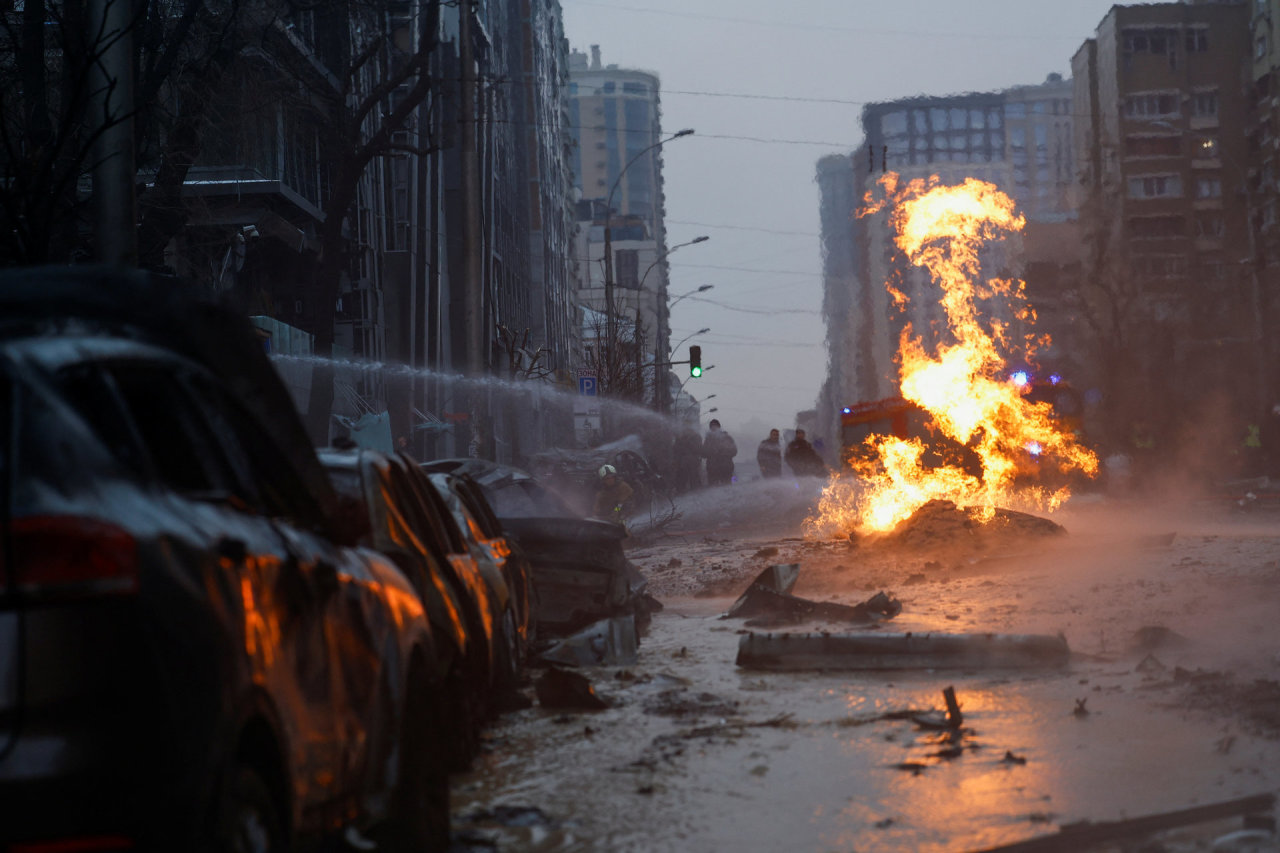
(697, 754)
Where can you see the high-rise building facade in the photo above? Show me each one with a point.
(1018, 139)
(615, 117)
(1169, 282)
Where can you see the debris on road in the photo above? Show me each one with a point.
(900, 651)
(950, 720)
(768, 601)
(1083, 835)
(609, 642)
(1150, 638)
(941, 524)
(561, 688)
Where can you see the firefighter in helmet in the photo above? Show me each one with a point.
(613, 495)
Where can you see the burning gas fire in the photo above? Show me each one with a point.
(963, 384)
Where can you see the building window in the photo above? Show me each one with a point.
(1210, 225)
(628, 261)
(1260, 46)
(635, 88)
(1204, 148)
(1159, 266)
(894, 124)
(1152, 105)
(1152, 146)
(1155, 40)
(1155, 186)
(1208, 188)
(1197, 40)
(1156, 227)
(1205, 104)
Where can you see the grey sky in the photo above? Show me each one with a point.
(757, 200)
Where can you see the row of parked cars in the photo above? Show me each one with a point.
(214, 637)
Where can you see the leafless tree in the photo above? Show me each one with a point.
(523, 361)
(616, 352)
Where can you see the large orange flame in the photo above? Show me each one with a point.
(962, 384)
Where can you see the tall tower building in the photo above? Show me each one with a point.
(1018, 139)
(614, 116)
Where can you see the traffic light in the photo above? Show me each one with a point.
(695, 361)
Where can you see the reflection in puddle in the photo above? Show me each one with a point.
(713, 778)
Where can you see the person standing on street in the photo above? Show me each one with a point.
(802, 459)
(686, 452)
(718, 448)
(769, 455)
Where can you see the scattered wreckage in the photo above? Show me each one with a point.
(769, 602)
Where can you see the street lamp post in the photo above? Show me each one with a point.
(661, 349)
(658, 319)
(703, 289)
(687, 337)
(608, 242)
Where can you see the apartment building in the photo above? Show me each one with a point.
(1170, 278)
(1018, 139)
(615, 116)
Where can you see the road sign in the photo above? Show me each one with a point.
(587, 386)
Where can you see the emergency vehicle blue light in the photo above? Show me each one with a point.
(1054, 379)
(846, 410)
(1034, 448)
(1020, 378)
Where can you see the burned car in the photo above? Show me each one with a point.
(580, 573)
(187, 660)
(400, 514)
(505, 568)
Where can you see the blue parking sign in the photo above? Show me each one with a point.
(587, 386)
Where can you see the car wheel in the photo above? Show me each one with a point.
(466, 716)
(419, 813)
(248, 819)
(506, 681)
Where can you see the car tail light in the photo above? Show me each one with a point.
(68, 555)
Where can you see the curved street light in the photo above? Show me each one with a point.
(659, 383)
(608, 223)
(662, 257)
(703, 289)
(687, 337)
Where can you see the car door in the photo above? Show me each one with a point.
(271, 581)
(353, 650)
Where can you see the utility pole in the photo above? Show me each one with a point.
(472, 240)
(610, 324)
(471, 235)
(110, 36)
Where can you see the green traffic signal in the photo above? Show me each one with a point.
(695, 361)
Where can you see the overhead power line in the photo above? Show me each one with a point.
(746, 310)
(748, 269)
(793, 24)
(742, 228)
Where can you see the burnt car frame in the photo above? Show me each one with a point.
(399, 513)
(580, 572)
(505, 566)
(187, 661)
